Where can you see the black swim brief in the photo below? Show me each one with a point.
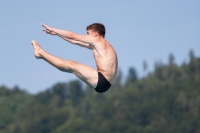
(103, 84)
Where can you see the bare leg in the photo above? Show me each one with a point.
(83, 72)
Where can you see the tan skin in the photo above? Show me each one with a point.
(104, 55)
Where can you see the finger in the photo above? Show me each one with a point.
(44, 25)
(44, 30)
(47, 32)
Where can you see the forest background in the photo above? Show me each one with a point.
(165, 100)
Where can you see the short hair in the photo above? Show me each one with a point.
(98, 27)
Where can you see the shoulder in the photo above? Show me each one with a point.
(96, 41)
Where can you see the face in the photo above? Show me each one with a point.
(91, 33)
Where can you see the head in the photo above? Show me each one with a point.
(96, 29)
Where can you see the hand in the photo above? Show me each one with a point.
(48, 29)
(49, 32)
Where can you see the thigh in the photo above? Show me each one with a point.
(85, 73)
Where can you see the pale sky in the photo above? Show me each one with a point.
(138, 30)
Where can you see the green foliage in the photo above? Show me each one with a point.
(165, 101)
(132, 76)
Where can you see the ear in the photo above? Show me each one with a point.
(95, 34)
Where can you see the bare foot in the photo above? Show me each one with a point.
(37, 50)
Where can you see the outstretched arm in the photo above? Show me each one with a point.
(70, 35)
(86, 45)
